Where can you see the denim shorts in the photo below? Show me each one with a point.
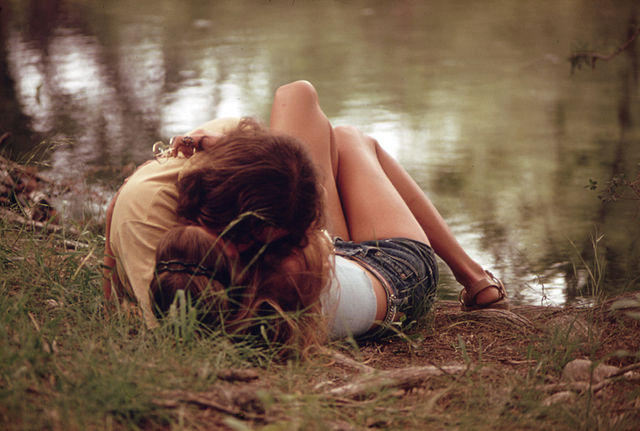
(406, 268)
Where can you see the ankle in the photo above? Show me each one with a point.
(471, 278)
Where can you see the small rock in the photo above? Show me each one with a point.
(52, 303)
(559, 397)
(579, 370)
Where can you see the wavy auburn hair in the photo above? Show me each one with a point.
(254, 172)
(281, 302)
(189, 258)
(259, 192)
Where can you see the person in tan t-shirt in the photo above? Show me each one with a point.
(141, 212)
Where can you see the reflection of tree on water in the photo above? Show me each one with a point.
(15, 126)
(621, 255)
(78, 88)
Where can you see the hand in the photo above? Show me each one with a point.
(198, 140)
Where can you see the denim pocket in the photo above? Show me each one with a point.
(349, 249)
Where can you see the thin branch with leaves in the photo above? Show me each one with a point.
(590, 58)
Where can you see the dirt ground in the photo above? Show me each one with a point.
(488, 369)
(508, 339)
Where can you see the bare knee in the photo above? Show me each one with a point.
(302, 92)
(347, 135)
(350, 138)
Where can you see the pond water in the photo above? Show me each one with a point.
(476, 99)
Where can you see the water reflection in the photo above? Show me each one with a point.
(476, 100)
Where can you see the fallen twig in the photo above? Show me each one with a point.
(345, 360)
(233, 401)
(586, 386)
(49, 227)
(625, 370)
(520, 362)
(237, 375)
(402, 378)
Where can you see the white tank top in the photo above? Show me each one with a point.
(350, 302)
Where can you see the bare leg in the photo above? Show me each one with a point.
(381, 215)
(296, 112)
(373, 207)
(465, 269)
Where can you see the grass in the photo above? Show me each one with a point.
(65, 364)
(594, 267)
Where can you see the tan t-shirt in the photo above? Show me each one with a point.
(144, 211)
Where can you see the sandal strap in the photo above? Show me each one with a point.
(489, 282)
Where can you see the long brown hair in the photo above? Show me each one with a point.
(283, 302)
(280, 301)
(251, 171)
(259, 194)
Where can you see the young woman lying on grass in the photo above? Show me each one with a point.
(221, 163)
(243, 231)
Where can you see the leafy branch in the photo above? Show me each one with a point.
(617, 188)
(590, 58)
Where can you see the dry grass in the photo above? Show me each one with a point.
(65, 365)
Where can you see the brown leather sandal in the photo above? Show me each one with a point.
(472, 292)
